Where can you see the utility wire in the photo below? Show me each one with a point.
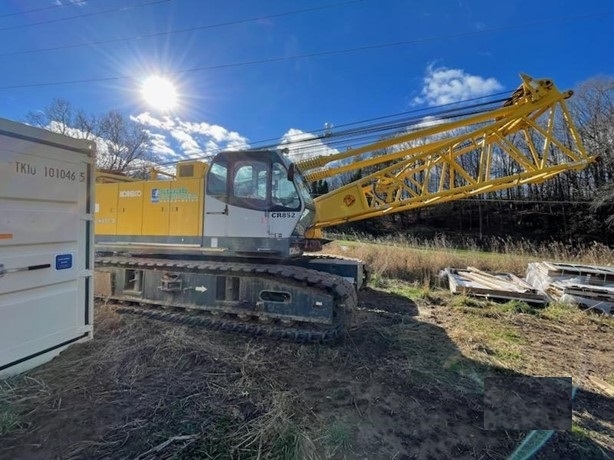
(36, 10)
(322, 131)
(316, 54)
(370, 131)
(85, 15)
(177, 31)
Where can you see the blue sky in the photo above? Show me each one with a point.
(445, 50)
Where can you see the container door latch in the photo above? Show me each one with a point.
(4, 271)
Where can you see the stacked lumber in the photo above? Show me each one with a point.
(590, 286)
(498, 286)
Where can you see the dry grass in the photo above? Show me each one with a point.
(160, 392)
(421, 261)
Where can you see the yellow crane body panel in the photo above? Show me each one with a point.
(187, 205)
(157, 213)
(106, 209)
(130, 208)
(169, 208)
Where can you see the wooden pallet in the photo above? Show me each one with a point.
(499, 286)
(585, 285)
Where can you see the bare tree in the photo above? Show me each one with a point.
(126, 143)
(593, 110)
(61, 117)
(123, 145)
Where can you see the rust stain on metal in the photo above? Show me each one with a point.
(349, 200)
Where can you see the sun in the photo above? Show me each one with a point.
(159, 93)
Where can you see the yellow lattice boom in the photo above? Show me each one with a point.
(527, 140)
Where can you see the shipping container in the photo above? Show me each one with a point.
(46, 245)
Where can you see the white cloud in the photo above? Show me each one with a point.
(187, 143)
(70, 2)
(303, 145)
(146, 119)
(211, 146)
(192, 139)
(444, 86)
(428, 121)
(160, 147)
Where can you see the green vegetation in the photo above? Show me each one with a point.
(518, 306)
(562, 312)
(463, 301)
(338, 439)
(9, 421)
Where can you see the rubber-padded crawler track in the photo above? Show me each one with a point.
(342, 291)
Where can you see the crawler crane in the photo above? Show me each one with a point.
(230, 244)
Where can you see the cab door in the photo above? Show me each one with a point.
(238, 207)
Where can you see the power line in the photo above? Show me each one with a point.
(177, 31)
(375, 131)
(35, 10)
(321, 131)
(86, 15)
(316, 54)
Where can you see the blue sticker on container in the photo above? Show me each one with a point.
(155, 195)
(63, 261)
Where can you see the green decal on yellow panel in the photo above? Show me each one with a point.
(175, 195)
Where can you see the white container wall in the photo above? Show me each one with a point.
(46, 245)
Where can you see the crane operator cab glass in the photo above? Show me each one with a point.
(258, 195)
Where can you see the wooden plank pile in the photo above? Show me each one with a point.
(586, 285)
(500, 286)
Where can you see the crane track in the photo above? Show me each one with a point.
(251, 329)
(343, 292)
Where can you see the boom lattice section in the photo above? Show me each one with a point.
(529, 139)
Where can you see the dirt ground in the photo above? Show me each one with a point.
(406, 382)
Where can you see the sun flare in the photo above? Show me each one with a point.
(159, 93)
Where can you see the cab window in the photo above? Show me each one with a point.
(283, 191)
(217, 179)
(250, 180)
